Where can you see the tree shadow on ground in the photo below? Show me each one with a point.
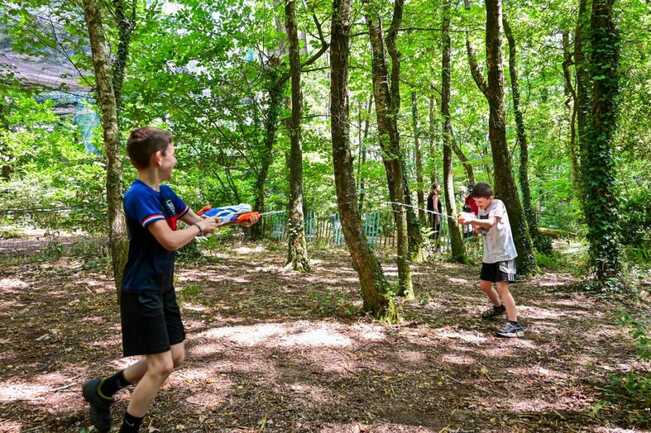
(277, 351)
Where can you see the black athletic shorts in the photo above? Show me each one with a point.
(491, 272)
(151, 322)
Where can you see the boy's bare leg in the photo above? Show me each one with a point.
(158, 368)
(135, 372)
(487, 287)
(507, 300)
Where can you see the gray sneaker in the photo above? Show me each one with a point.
(511, 330)
(494, 312)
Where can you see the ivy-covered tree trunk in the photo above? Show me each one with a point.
(456, 240)
(118, 241)
(297, 247)
(390, 144)
(374, 286)
(418, 156)
(542, 243)
(505, 188)
(598, 168)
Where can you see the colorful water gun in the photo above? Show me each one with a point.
(237, 214)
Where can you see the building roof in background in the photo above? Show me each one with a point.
(40, 72)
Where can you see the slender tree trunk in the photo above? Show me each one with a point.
(118, 241)
(432, 139)
(467, 166)
(456, 240)
(415, 237)
(598, 166)
(125, 29)
(475, 71)
(581, 58)
(418, 155)
(275, 94)
(542, 243)
(374, 286)
(505, 188)
(297, 247)
(390, 143)
(362, 136)
(570, 103)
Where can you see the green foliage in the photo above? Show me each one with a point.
(52, 180)
(204, 70)
(635, 213)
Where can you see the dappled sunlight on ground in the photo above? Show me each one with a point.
(375, 428)
(270, 350)
(296, 334)
(465, 336)
(459, 359)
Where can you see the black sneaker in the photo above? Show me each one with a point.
(492, 313)
(100, 408)
(511, 330)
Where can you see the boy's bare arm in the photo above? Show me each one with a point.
(173, 240)
(486, 224)
(190, 217)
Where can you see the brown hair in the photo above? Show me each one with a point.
(482, 190)
(144, 142)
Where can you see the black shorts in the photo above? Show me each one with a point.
(151, 322)
(491, 272)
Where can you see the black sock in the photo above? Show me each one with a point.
(515, 322)
(111, 385)
(130, 424)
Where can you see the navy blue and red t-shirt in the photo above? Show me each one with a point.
(149, 265)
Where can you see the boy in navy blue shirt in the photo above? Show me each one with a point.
(151, 319)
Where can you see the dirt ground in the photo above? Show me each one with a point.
(276, 351)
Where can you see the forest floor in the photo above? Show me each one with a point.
(276, 351)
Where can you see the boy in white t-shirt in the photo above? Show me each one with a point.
(498, 265)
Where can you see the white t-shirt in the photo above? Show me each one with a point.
(498, 241)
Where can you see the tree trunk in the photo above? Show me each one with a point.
(432, 140)
(275, 91)
(456, 240)
(570, 103)
(581, 51)
(476, 73)
(118, 241)
(374, 286)
(418, 155)
(415, 237)
(362, 136)
(467, 167)
(390, 144)
(505, 188)
(297, 248)
(598, 166)
(125, 29)
(542, 243)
